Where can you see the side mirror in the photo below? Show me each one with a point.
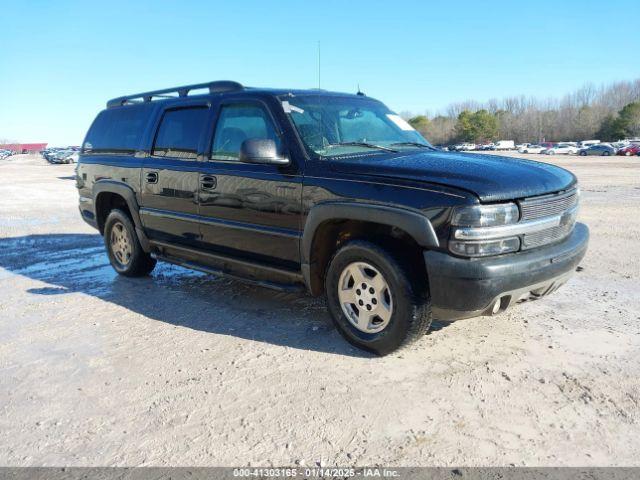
(261, 150)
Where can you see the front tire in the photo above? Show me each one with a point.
(372, 299)
(123, 247)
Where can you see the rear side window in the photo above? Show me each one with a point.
(179, 133)
(117, 130)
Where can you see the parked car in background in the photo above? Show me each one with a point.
(531, 148)
(505, 145)
(486, 146)
(466, 147)
(5, 154)
(599, 149)
(61, 155)
(66, 156)
(49, 153)
(561, 149)
(588, 143)
(633, 149)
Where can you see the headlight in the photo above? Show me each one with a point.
(477, 218)
(486, 215)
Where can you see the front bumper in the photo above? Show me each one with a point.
(463, 288)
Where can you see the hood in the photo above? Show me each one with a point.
(491, 177)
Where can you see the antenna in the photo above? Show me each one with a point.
(318, 64)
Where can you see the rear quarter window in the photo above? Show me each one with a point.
(117, 130)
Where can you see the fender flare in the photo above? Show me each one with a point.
(126, 192)
(413, 223)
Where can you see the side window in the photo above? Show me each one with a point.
(179, 133)
(117, 130)
(237, 123)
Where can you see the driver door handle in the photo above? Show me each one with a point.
(152, 177)
(208, 182)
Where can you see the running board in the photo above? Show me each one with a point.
(293, 282)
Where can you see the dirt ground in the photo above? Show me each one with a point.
(184, 369)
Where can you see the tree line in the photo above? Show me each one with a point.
(609, 113)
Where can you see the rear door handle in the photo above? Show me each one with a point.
(208, 182)
(152, 177)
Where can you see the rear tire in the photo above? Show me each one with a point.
(605, 153)
(123, 247)
(373, 302)
(583, 154)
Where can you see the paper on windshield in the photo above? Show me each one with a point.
(288, 108)
(400, 122)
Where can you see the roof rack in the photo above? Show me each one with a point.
(220, 86)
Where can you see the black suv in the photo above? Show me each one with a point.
(330, 192)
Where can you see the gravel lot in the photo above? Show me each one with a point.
(185, 369)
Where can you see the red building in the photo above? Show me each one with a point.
(24, 147)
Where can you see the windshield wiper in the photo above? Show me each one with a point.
(415, 144)
(362, 144)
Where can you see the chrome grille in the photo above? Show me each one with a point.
(549, 206)
(539, 207)
(547, 236)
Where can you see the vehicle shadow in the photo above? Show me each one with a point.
(70, 263)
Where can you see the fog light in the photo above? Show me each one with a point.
(484, 248)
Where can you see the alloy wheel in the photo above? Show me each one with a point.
(365, 297)
(121, 244)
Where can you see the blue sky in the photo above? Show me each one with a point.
(61, 60)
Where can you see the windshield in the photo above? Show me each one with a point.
(332, 126)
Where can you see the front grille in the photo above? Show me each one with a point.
(545, 237)
(549, 206)
(539, 207)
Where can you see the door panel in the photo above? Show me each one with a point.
(249, 210)
(254, 211)
(170, 176)
(169, 206)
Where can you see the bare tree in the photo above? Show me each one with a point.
(579, 115)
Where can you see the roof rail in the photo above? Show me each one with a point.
(219, 86)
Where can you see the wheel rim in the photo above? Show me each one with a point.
(365, 297)
(120, 242)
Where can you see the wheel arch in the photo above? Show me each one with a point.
(104, 192)
(327, 224)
